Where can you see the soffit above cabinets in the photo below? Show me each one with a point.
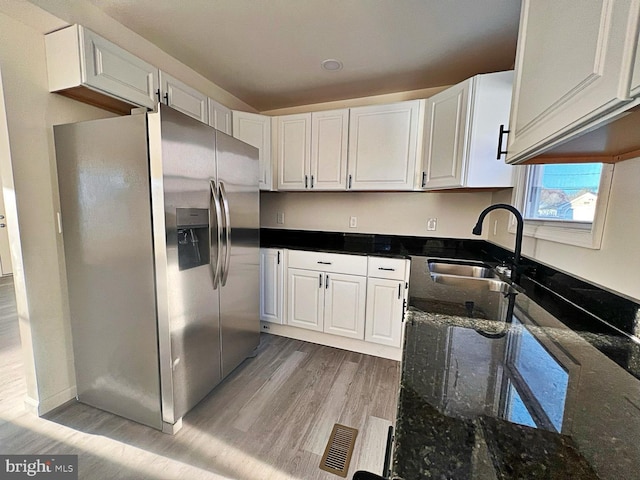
(269, 53)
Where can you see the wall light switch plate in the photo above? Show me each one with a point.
(432, 224)
(280, 218)
(353, 222)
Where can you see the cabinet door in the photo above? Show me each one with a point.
(344, 305)
(444, 137)
(305, 299)
(384, 311)
(294, 150)
(115, 71)
(271, 284)
(329, 142)
(183, 98)
(382, 146)
(255, 130)
(220, 117)
(573, 64)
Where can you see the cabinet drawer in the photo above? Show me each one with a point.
(391, 268)
(328, 262)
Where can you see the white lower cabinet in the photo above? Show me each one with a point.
(344, 305)
(385, 309)
(271, 285)
(326, 302)
(305, 299)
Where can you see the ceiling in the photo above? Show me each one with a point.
(268, 53)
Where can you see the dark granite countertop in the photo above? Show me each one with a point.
(481, 399)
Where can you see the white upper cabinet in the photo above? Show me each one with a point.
(461, 134)
(255, 130)
(329, 143)
(86, 67)
(294, 151)
(574, 65)
(312, 150)
(183, 98)
(383, 146)
(220, 117)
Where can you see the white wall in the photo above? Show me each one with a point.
(30, 172)
(616, 265)
(399, 213)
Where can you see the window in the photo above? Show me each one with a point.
(564, 203)
(565, 192)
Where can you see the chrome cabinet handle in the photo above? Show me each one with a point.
(324, 263)
(306, 181)
(227, 234)
(218, 243)
(424, 179)
(278, 257)
(387, 269)
(399, 291)
(349, 181)
(326, 281)
(311, 181)
(320, 280)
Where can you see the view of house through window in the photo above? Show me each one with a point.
(565, 192)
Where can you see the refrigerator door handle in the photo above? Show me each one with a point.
(227, 234)
(217, 246)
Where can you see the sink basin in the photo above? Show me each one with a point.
(464, 269)
(470, 283)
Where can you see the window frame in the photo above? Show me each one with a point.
(579, 234)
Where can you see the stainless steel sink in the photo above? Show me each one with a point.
(464, 269)
(473, 283)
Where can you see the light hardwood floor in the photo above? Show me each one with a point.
(270, 419)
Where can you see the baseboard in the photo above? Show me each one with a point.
(51, 403)
(344, 343)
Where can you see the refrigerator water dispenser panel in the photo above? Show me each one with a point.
(193, 237)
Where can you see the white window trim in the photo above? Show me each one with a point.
(570, 233)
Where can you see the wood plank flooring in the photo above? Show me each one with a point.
(270, 419)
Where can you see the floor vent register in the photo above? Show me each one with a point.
(337, 454)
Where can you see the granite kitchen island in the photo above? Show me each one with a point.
(532, 399)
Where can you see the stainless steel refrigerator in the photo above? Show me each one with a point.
(160, 222)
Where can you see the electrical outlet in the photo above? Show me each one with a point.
(353, 222)
(432, 224)
(280, 218)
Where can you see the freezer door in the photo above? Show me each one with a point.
(103, 174)
(238, 172)
(183, 171)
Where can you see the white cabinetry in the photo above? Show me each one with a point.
(86, 67)
(461, 134)
(327, 292)
(386, 300)
(329, 143)
(312, 150)
(255, 130)
(574, 65)
(220, 117)
(183, 98)
(272, 269)
(294, 151)
(383, 142)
